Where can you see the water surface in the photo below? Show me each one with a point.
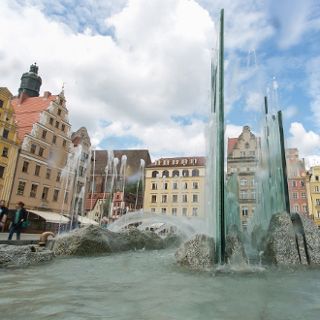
(148, 285)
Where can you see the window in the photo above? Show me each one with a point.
(242, 154)
(296, 208)
(66, 197)
(57, 124)
(37, 170)
(1, 103)
(33, 191)
(243, 194)
(51, 121)
(64, 143)
(82, 171)
(175, 186)
(303, 195)
(44, 134)
(21, 187)
(252, 153)
(165, 173)
(195, 185)
(174, 198)
(164, 198)
(195, 173)
(174, 211)
(318, 213)
(2, 171)
(58, 176)
(25, 166)
(155, 174)
(184, 198)
(165, 186)
(5, 133)
(154, 186)
(294, 183)
(317, 178)
(316, 189)
(295, 195)
(153, 198)
(247, 145)
(253, 194)
(45, 192)
(5, 152)
(41, 150)
(63, 127)
(55, 195)
(175, 173)
(185, 173)
(184, 211)
(194, 212)
(317, 202)
(243, 182)
(59, 112)
(48, 173)
(185, 185)
(302, 183)
(163, 210)
(304, 208)
(244, 211)
(54, 139)
(194, 198)
(33, 148)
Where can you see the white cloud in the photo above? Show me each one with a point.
(157, 65)
(254, 101)
(290, 112)
(307, 142)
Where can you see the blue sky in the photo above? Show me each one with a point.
(137, 72)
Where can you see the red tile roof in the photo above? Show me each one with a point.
(178, 162)
(28, 112)
(231, 144)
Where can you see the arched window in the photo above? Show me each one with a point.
(175, 173)
(247, 145)
(165, 173)
(195, 173)
(155, 174)
(185, 173)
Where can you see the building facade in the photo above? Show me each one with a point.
(296, 175)
(175, 186)
(313, 192)
(242, 161)
(80, 157)
(9, 144)
(41, 179)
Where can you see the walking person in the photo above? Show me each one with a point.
(3, 215)
(19, 217)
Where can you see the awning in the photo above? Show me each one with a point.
(52, 217)
(87, 221)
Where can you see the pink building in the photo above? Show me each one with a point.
(296, 182)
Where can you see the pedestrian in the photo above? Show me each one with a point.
(3, 214)
(19, 217)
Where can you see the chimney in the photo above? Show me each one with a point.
(46, 94)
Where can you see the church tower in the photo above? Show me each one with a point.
(30, 82)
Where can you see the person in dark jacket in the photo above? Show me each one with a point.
(3, 214)
(19, 217)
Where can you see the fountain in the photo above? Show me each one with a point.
(143, 284)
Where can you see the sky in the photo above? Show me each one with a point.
(137, 72)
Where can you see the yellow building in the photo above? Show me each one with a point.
(313, 192)
(9, 145)
(175, 186)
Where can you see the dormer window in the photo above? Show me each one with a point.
(59, 112)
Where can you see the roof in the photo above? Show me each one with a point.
(28, 112)
(52, 217)
(91, 203)
(179, 162)
(231, 144)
